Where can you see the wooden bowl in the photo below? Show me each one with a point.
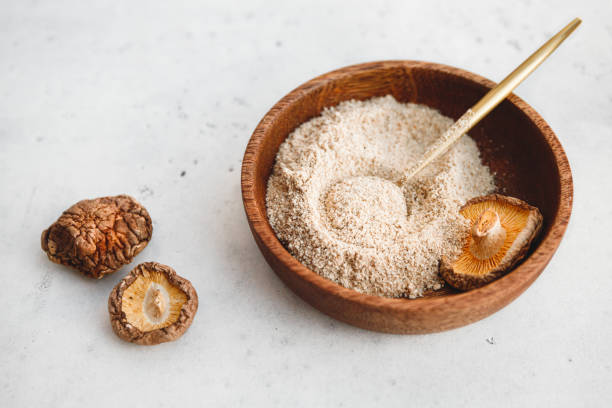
(515, 142)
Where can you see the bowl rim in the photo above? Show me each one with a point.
(519, 278)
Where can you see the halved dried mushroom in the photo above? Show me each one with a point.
(502, 229)
(152, 305)
(98, 236)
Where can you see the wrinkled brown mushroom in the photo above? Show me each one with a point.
(502, 229)
(98, 236)
(152, 305)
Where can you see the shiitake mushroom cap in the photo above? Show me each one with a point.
(98, 236)
(152, 305)
(521, 224)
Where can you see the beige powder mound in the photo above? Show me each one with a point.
(334, 202)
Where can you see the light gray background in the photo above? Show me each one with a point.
(101, 98)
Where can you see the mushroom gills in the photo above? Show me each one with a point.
(151, 302)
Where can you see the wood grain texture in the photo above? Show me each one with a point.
(514, 141)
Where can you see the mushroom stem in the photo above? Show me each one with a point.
(155, 303)
(488, 235)
(158, 304)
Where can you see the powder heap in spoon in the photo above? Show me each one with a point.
(333, 200)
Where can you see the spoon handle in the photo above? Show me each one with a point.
(507, 85)
(493, 98)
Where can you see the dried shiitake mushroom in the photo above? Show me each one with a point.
(152, 305)
(502, 229)
(98, 236)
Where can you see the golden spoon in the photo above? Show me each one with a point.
(493, 98)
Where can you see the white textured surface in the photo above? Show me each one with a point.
(121, 97)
